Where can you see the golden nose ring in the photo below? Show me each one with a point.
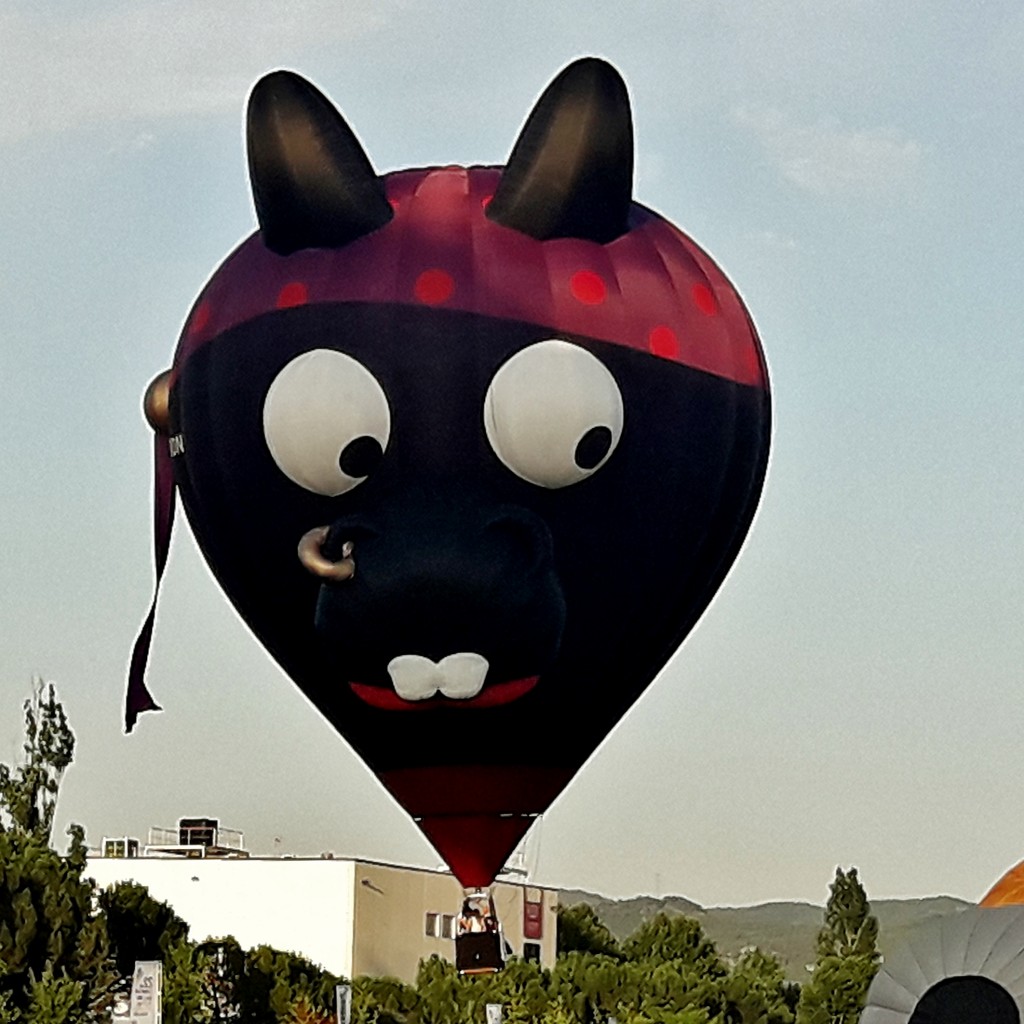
(312, 556)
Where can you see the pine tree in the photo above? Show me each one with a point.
(581, 930)
(673, 937)
(850, 927)
(756, 990)
(847, 956)
(54, 945)
(28, 793)
(140, 927)
(54, 952)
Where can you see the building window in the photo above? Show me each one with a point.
(432, 928)
(447, 926)
(531, 952)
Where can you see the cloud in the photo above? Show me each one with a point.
(115, 64)
(830, 160)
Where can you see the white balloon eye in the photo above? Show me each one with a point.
(553, 413)
(326, 421)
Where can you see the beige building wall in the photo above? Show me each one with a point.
(391, 924)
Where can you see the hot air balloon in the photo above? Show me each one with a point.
(470, 449)
(965, 966)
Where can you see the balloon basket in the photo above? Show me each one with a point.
(479, 942)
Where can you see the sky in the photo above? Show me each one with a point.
(852, 695)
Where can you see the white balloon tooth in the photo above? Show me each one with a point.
(462, 675)
(458, 676)
(414, 677)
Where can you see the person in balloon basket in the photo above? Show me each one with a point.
(473, 919)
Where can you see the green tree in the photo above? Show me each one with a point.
(388, 1000)
(303, 1012)
(522, 988)
(54, 951)
(274, 982)
(186, 972)
(580, 930)
(441, 996)
(28, 792)
(556, 1013)
(592, 985)
(53, 999)
(224, 980)
(669, 972)
(139, 926)
(847, 957)
(673, 937)
(675, 989)
(756, 990)
(850, 927)
(54, 944)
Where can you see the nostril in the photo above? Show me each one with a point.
(344, 535)
(523, 536)
(334, 544)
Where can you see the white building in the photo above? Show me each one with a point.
(352, 917)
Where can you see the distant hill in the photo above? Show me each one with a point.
(789, 930)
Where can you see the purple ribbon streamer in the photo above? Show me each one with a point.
(138, 697)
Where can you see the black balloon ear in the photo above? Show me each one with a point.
(312, 184)
(570, 174)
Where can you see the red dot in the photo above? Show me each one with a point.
(587, 287)
(434, 286)
(662, 341)
(486, 201)
(705, 299)
(200, 318)
(294, 293)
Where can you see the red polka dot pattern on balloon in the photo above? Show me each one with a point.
(588, 288)
(662, 341)
(434, 286)
(654, 290)
(294, 293)
(705, 299)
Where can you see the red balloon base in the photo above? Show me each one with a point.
(475, 815)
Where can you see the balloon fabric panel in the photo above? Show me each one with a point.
(960, 966)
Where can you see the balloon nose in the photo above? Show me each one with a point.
(435, 579)
(311, 555)
(524, 536)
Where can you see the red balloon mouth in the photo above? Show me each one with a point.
(491, 697)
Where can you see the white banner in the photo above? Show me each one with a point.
(147, 992)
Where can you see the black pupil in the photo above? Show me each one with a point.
(592, 447)
(360, 457)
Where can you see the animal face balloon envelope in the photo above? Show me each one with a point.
(469, 449)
